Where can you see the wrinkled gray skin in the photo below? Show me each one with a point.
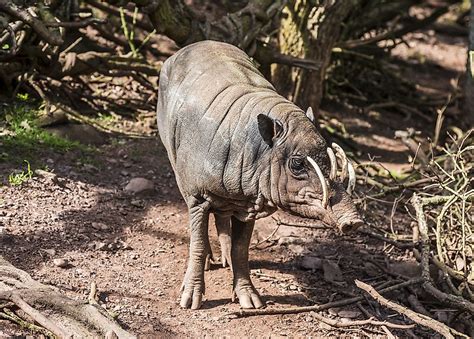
(238, 150)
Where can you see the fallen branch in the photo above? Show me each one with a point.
(370, 321)
(317, 308)
(387, 240)
(416, 317)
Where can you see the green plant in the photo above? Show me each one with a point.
(16, 179)
(23, 137)
(130, 34)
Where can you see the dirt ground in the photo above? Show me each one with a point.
(135, 246)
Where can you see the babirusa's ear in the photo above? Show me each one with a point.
(269, 128)
(310, 115)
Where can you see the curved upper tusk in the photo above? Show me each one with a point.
(342, 155)
(332, 159)
(322, 180)
(352, 178)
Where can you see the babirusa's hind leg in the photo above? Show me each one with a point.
(243, 287)
(224, 233)
(193, 284)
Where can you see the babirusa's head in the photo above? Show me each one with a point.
(306, 177)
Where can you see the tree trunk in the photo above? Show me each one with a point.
(309, 32)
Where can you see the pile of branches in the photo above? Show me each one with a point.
(86, 57)
(440, 190)
(362, 75)
(447, 204)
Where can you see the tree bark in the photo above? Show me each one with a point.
(309, 32)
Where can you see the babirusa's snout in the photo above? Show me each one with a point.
(349, 222)
(340, 208)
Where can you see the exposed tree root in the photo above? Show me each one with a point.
(46, 306)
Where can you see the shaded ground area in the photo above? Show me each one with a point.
(135, 247)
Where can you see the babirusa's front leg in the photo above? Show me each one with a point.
(193, 284)
(243, 287)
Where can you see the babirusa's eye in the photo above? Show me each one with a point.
(297, 165)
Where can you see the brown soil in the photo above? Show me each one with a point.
(135, 247)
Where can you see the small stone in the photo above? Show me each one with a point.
(290, 240)
(90, 168)
(100, 246)
(332, 272)
(45, 174)
(311, 263)
(406, 268)
(100, 226)
(136, 203)
(139, 185)
(61, 262)
(50, 251)
(297, 249)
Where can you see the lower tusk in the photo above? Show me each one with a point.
(322, 180)
(332, 159)
(352, 178)
(342, 155)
